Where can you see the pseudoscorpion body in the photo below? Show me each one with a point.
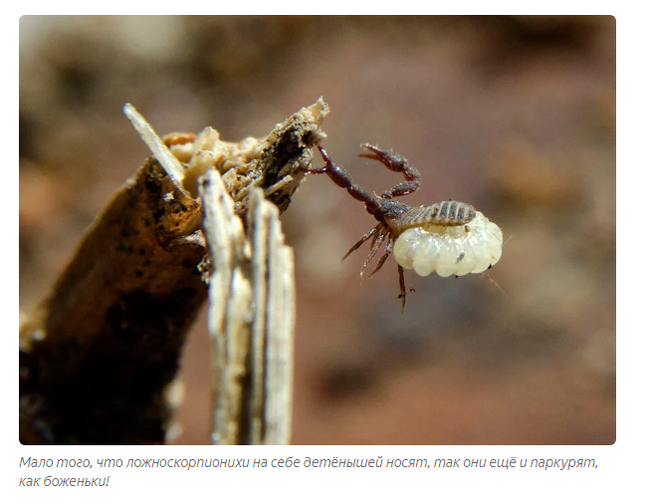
(450, 237)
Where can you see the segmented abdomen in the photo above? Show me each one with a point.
(445, 213)
(450, 250)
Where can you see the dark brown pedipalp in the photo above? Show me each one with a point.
(393, 216)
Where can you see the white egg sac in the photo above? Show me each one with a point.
(450, 250)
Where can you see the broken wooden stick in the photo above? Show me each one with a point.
(97, 355)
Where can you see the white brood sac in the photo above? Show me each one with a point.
(450, 250)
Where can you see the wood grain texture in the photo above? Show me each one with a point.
(98, 355)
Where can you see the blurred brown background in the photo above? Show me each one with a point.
(515, 115)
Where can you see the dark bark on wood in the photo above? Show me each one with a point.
(97, 355)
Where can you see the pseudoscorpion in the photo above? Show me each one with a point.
(450, 237)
